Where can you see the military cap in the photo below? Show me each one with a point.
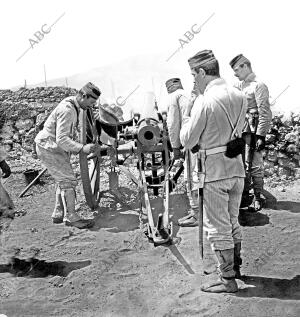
(173, 84)
(92, 90)
(238, 60)
(203, 58)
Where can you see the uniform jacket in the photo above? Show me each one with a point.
(176, 105)
(60, 127)
(210, 128)
(257, 94)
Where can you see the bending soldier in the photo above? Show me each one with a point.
(54, 146)
(258, 121)
(210, 126)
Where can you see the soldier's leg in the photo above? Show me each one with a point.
(217, 224)
(258, 179)
(59, 166)
(192, 192)
(71, 218)
(191, 219)
(58, 212)
(233, 207)
(245, 201)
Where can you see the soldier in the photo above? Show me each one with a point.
(258, 121)
(176, 105)
(55, 144)
(6, 204)
(218, 115)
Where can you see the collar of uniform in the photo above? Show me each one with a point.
(217, 81)
(179, 90)
(76, 102)
(250, 77)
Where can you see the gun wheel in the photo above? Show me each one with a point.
(89, 164)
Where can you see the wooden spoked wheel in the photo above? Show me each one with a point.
(89, 164)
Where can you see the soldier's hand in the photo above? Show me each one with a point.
(89, 148)
(5, 169)
(176, 153)
(260, 143)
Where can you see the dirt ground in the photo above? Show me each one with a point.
(112, 270)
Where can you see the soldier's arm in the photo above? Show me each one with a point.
(173, 123)
(192, 126)
(65, 120)
(264, 111)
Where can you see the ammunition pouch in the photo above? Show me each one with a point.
(235, 147)
(195, 148)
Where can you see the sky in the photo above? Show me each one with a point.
(81, 35)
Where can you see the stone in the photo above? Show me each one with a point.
(283, 162)
(292, 137)
(270, 138)
(292, 148)
(272, 156)
(24, 124)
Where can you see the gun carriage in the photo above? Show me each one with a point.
(145, 139)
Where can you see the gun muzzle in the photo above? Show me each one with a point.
(148, 132)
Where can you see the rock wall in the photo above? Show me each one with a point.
(282, 159)
(22, 112)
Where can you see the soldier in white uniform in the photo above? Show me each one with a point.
(176, 104)
(210, 128)
(258, 122)
(55, 144)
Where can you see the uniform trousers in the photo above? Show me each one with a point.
(58, 164)
(221, 201)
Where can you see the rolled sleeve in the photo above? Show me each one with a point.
(264, 111)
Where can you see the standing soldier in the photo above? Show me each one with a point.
(258, 121)
(54, 146)
(176, 105)
(218, 115)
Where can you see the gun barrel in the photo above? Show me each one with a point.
(149, 133)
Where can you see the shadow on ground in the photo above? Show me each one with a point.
(252, 218)
(257, 286)
(291, 206)
(121, 216)
(271, 200)
(35, 268)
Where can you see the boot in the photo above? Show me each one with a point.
(58, 213)
(191, 219)
(70, 216)
(258, 183)
(257, 202)
(209, 258)
(246, 200)
(226, 282)
(237, 260)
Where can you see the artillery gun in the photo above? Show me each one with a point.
(146, 139)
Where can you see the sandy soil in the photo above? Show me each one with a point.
(112, 269)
